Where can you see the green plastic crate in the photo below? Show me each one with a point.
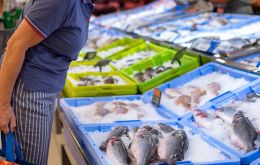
(72, 90)
(188, 63)
(141, 47)
(88, 63)
(128, 42)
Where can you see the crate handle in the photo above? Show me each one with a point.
(256, 88)
(127, 121)
(225, 97)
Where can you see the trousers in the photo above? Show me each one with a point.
(34, 113)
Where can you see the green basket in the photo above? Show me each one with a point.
(188, 63)
(10, 18)
(87, 63)
(128, 42)
(141, 47)
(72, 90)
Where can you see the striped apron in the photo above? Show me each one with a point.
(34, 113)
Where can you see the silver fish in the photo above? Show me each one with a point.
(226, 113)
(173, 147)
(143, 147)
(244, 131)
(117, 132)
(117, 151)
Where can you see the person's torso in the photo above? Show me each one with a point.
(45, 66)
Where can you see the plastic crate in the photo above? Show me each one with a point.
(127, 42)
(67, 104)
(141, 47)
(101, 159)
(245, 158)
(187, 63)
(72, 90)
(256, 162)
(202, 71)
(257, 64)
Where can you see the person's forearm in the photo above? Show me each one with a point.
(10, 69)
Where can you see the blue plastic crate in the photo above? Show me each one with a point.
(67, 103)
(201, 71)
(218, 102)
(249, 57)
(256, 162)
(102, 160)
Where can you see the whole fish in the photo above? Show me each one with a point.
(226, 113)
(173, 147)
(116, 132)
(244, 132)
(117, 151)
(143, 147)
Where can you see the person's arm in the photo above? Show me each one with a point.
(255, 3)
(23, 38)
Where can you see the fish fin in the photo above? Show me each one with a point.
(130, 145)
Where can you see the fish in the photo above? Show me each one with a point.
(121, 110)
(143, 148)
(214, 87)
(117, 151)
(184, 100)
(101, 111)
(252, 97)
(172, 92)
(173, 147)
(116, 132)
(226, 113)
(134, 106)
(110, 80)
(197, 94)
(165, 128)
(244, 133)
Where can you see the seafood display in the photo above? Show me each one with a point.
(92, 80)
(150, 73)
(166, 30)
(150, 144)
(88, 68)
(237, 123)
(132, 59)
(227, 39)
(197, 92)
(117, 110)
(109, 52)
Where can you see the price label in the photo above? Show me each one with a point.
(90, 55)
(157, 94)
(178, 56)
(102, 63)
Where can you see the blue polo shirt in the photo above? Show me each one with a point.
(63, 24)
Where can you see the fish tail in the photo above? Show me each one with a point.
(103, 147)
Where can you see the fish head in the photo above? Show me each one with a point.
(238, 115)
(165, 128)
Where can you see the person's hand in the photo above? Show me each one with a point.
(7, 118)
(255, 3)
